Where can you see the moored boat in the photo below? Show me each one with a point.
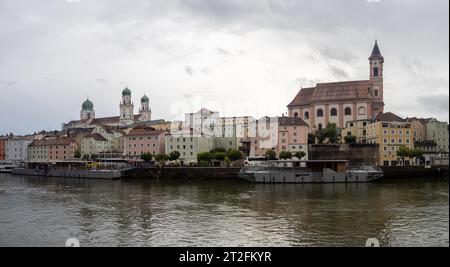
(312, 171)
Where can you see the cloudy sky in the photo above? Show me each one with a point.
(239, 57)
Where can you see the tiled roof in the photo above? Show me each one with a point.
(324, 92)
(388, 117)
(144, 131)
(96, 137)
(53, 142)
(290, 121)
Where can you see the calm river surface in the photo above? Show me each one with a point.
(48, 211)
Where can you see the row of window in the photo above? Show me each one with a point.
(333, 112)
(142, 138)
(400, 141)
(399, 132)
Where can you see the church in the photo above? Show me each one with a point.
(126, 119)
(341, 102)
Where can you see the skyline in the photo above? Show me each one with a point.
(240, 63)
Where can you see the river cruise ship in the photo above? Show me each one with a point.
(311, 171)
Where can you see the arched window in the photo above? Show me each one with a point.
(306, 115)
(296, 114)
(375, 72)
(348, 111)
(319, 113)
(333, 112)
(362, 111)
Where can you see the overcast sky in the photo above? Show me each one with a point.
(239, 57)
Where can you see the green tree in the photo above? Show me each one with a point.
(403, 152)
(174, 155)
(77, 154)
(220, 156)
(204, 156)
(416, 153)
(285, 155)
(86, 157)
(311, 138)
(147, 157)
(162, 158)
(234, 155)
(271, 155)
(330, 133)
(300, 154)
(350, 139)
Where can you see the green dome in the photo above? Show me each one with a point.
(87, 105)
(126, 92)
(145, 99)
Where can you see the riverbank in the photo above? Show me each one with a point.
(212, 173)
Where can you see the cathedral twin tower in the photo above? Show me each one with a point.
(127, 116)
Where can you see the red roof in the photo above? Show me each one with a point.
(53, 142)
(144, 131)
(324, 92)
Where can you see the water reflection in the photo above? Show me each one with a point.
(47, 211)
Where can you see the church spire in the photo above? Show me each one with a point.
(376, 54)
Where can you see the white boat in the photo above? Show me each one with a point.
(312, 171)
(7, 167)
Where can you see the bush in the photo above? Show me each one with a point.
(174, 155)
(203, 163)
(350, 139)
(234, 155)
(204, 156)
(300, 154)
(285, 155)
(220, 156)
(271, 155)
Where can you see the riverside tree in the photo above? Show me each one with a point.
(285, 155)
(174, 155)
(147, 157)
(299, 154)
(271, 155)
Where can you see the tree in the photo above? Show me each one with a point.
(285, 155)
(174, 155)
(220, 156)
(350, 139)
(330, 133)
(403, 152)
(147, 157)
(271, 155)
(234, 155)
(311, 138)
(300, 154)
(162, 158)
(86, 157)
(204, 156)
(416, 153)
(77, 154)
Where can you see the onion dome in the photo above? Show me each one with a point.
(145, 99)
(126, 92)
(87, 105)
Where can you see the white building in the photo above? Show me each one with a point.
(189, 144)
(437, 131)
(17, 149)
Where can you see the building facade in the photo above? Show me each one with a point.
(144, 140)
(93, 144)
(16, 149)
(437, 132)
(357, 129)
(341, 102)
(52, 150)
(279, 134)
(391, 132)
(189, 144)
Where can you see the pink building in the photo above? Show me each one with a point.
(51, 150)
(280, 134)
(143, 140)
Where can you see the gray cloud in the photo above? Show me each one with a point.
(189, 70)
(338, 73)
(435, 103)
(59, 50)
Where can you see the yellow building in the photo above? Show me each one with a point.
(357, 129)
(391, 132)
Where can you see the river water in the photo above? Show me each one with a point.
(47, 211)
